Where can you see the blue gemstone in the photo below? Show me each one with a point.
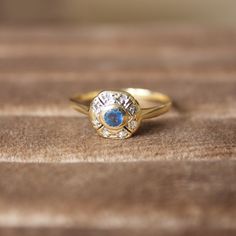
(114, 117)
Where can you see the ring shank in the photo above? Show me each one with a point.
(81, 102)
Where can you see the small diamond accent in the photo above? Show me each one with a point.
(96, 123)
(105, 132)
(123, 100)
(108, 98)
(97, 105)
(123, 133)
(105, 97)
(132, 124)
(132, 109)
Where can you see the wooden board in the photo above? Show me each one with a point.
(175, 177)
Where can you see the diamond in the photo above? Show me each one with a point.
(108, 98)
(123, 100)
(132, 109)
(123, 134)
(96, 105)
(132, 124)
(96, 123)
(105, 132)
(105, 97)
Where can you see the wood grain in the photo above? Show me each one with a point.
(175, 177)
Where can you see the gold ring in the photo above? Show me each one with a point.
(118, 114)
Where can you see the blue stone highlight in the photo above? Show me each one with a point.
(114, 117)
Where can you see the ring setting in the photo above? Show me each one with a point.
(117, 114)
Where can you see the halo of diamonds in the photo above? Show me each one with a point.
(122, 100)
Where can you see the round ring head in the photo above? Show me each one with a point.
(115, 114)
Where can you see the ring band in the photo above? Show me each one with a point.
(118, 114)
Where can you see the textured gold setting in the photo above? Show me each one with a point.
(118, 114)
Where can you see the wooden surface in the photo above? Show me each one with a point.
(175, 177)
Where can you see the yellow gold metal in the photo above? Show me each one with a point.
(158, 104)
